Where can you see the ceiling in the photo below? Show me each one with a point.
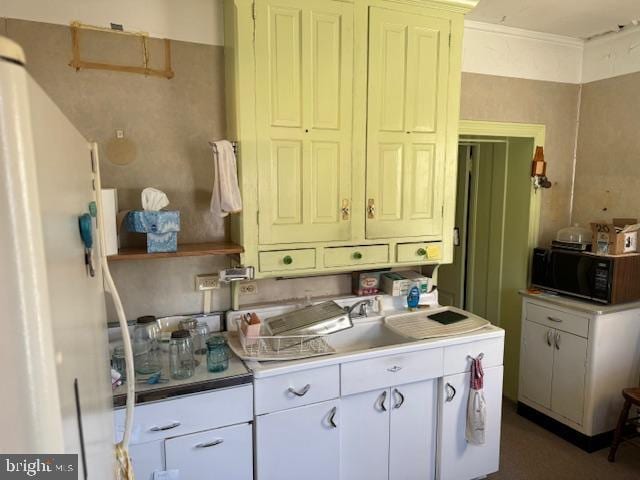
(573, 18)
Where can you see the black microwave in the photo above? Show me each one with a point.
(603, 279)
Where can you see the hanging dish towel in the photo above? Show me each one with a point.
(476, 406)
(226, 194)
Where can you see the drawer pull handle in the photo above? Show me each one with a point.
(394, 369)
(451, 392)
(287, 260)
(210, 444)
(381, 399)
(552, 319)
(557, 338)
(332, 417)
(300, 393)
(165, 427)
(400, 402)
(549, 336)
(421, 252)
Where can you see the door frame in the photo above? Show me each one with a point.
(508, 129)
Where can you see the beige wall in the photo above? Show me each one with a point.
(503, 99)
(608, 160)
(170, 123)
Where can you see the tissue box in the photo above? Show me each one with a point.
(399, 283)
(161, 228)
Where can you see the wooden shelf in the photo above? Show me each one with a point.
(184, 250)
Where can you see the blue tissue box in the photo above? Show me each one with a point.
(161, 228)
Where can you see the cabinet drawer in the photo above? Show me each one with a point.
(190, 414)
(456, 357)
(343, 256)
(225, 451)
(418, 252)
(365, 375)
(278, 393)
(550, 317)
(282, 260)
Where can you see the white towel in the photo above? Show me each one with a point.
(226, 194)
(476, 405)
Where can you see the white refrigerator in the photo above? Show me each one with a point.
(54, 355)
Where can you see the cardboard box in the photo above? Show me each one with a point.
(366, 283)
(620, 236)
(161, 228)
(399, 283)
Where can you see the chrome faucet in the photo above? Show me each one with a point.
(363, 304)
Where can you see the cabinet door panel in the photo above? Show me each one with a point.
(285, 44)
(220, 453)
(458, 459)
(304, 120)
(406, 125)
(413, 431)
(536, 363)
(569, 370)
(299, 443)
(364, 452)
(147, 458)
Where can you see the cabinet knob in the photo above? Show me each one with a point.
(421, 252)
(357, 255)
(371, 208)
(287, 260)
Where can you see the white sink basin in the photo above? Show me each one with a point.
(365, 334)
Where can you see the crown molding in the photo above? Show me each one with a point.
(522, 33)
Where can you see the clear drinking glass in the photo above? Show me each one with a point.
(217, 354)
(181, 361)
(146, 350)
(118, 362)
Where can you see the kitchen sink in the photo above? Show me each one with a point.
(365, 334)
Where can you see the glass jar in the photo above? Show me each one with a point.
(200, 334)
(217, 354)
(146, 350)
(181, 359)
(118, 362)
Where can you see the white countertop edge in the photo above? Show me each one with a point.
(264, 370)
(580, 305)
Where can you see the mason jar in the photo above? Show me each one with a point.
(181, 361)
(146, 350)
(217, 354)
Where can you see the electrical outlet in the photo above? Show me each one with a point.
(207, 282)
(248, 288)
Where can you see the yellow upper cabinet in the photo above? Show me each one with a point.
(304, 83)
(346, 114)
(406, 123)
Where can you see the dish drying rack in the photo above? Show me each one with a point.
(279, 347)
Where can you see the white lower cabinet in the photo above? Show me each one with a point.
(458, 459)
(364, 450)
(224, 453)
(553, 368)
(390, 434)
(299, 443)
(147, 458)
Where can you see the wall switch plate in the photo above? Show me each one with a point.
(248, 288)
(207, 282)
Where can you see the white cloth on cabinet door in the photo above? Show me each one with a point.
(225, 198)
(476, 406)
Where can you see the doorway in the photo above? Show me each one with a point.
(495, 229)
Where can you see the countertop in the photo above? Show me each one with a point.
(580, 305)
(201, 381)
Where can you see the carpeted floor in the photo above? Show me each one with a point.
(530, 452)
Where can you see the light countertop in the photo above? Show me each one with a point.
(202, 380)
(580, 305)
